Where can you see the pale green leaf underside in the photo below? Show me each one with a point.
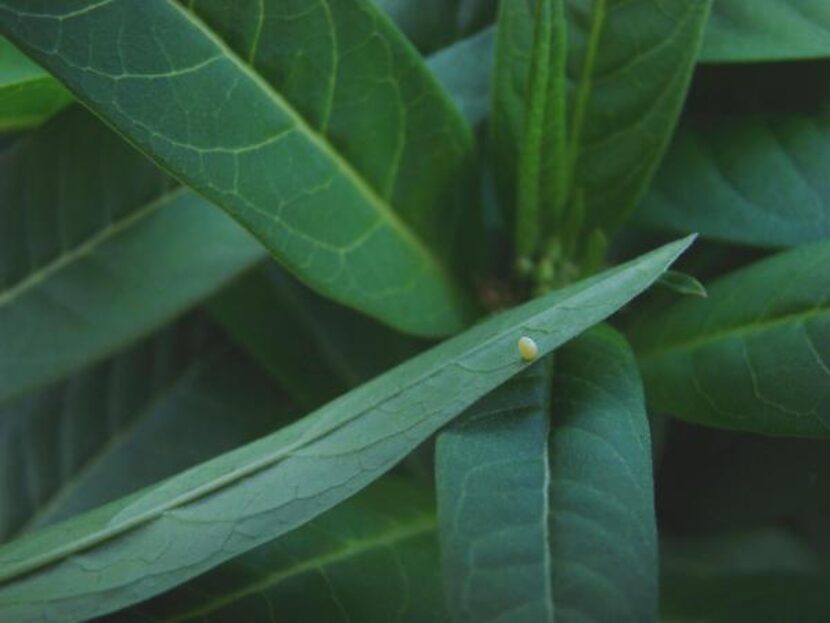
(96, 249)
(372, 559)
(309, 156)
(177, 398)
(753, 356)
(28, 95)
(759, 181)
(603, 533)
(492, 479)
(759, 30)
(161, 537)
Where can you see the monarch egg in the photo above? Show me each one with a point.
(527, 348)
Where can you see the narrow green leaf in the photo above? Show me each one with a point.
(373, 559)
(754, 356)
(682, 283)
(631, 62)
(749, 162)
(28, 95)
(603, 534)
(314, 347)
(766, 30)
(492, 477)
(338, 151)
(464, 69)
(97, 249)
(151, 541)
(173, 400)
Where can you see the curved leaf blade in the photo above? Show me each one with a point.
(603, 533)
(747, 165)
(750, 357)
(239, 500)
(220, 96)
(28, 95)
(173, 400)
(766, 30)
(492, 478)
(373, 559)
(97, 249)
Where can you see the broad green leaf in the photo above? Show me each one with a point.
(630, 61)
(435, 24)
(28, 95)
(759, 30)
(464, 69)
(97, 249)
(314, 347)
(373, 559)
(319, 129)
(151, 541)
(749, 162)
(603, 537)
(754, 356)
(492, 477)
(173, 400)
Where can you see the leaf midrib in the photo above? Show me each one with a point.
(320, 142)
(58, 263)
(735, 331)
(411, 529)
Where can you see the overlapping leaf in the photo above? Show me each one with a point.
(167, 534)
(28, 95)
(373, 559)
(492, 477)
(167, 403)
(97, 249)
(753, 356)
(316, 126)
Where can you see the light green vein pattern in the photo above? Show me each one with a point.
(97, 249)
(753, 356)
(149, 542)
(335, 121)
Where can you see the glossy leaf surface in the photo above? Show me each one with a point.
(754, 355)
(97, 248)
(231, 504)
(344, 166)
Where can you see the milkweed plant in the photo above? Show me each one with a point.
(415, 310)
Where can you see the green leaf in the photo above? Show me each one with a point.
(373, 559)
(682, 283)
(749, 163)
(754, 356)
(619, 124)
(314, 347)
(28, 95)
(173, 400)
(603, 537)
(492, 477)
(151, 541)
(308, 130)
(97, 249)
(435, 24)
(464, 69)
(759, 30)
(631, 62)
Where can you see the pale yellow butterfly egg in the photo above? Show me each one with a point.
(527, 348)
